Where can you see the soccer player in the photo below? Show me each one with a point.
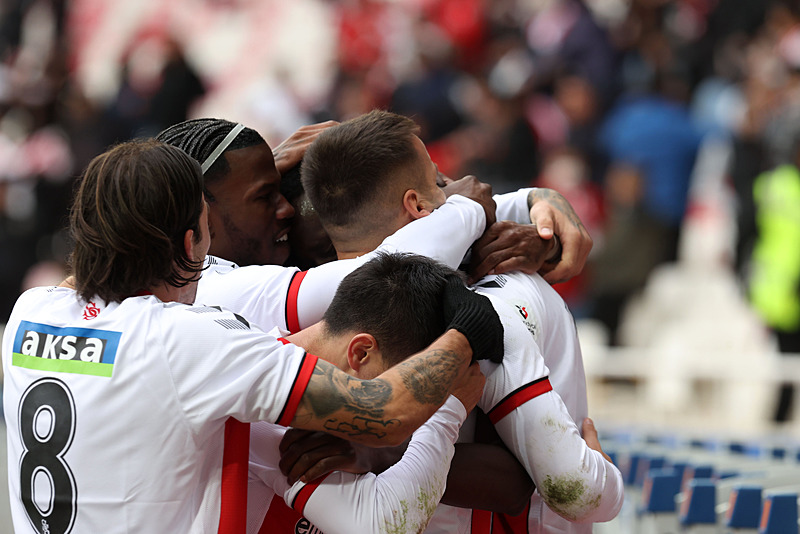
(375, 164)
(117, 389)
(381, 314)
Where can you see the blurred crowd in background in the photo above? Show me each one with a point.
(610, 102)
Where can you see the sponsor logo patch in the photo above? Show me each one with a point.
(523, 311)
(85, 351)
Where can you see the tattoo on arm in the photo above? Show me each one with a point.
(331, 394)
(331, 391)
(338, 391)
(429, 378)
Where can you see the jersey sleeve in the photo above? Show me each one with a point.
(445, 235)
(251, 375)
(401, 499)
(514, 206)
(258, 292)
(574, 480)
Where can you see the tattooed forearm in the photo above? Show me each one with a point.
(379, 411)
(429, 378)
(338, 391)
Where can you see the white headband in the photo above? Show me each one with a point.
(221, 147)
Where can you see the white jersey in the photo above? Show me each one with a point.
(271, 295)
(399, 500)
(513, 206)
(521, 398)
(547, 318)
(116, 412)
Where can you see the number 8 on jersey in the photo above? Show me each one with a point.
(47, 426)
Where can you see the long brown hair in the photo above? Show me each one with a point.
(132, 208)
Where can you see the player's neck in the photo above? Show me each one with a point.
(169, 293)
(353, 249)
(359, 239)
(316, 341)
(164, 292)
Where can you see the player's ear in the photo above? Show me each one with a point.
(414, 204)
(189, 243)
(360, 350)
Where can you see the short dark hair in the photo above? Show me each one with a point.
(347, 169)
(132, 208)
(199, 138)
(395, 297)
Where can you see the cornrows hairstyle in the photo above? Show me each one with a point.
(199, 138)
(395, 297)
(132, 208)
(349, 166)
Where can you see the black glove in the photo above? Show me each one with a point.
(473, 315)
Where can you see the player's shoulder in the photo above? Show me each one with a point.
(48, 303)
(509, 315)
(512, 282)
(202, 317)
(44, 293)
(220, 273)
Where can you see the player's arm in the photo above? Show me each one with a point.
(484, 476)
(556, 244)
(385, 411)
(307, 455)
(430, 236)
(576, 481)
(401, 499)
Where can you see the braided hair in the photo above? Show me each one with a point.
(199, 137)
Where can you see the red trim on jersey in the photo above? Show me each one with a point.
(481, 522)
(298, 389)
(292, 317)
(518, 397)
(233, 491)
(485, 522)
(511, 524)
(301, 499)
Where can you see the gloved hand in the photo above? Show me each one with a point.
(473, 315)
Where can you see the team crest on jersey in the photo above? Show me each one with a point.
(524, 313)
(85, 351)
(90, 311)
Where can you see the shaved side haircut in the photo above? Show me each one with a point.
(349, 172)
